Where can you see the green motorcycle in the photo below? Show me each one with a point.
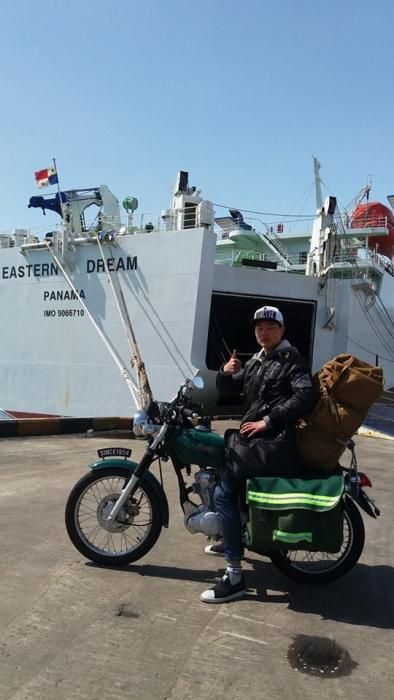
(309, 527)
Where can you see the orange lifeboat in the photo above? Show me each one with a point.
(376, 215)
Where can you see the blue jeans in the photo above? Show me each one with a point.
(227, 507)
(262, 457)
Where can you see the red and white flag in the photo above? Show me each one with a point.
(47, 177)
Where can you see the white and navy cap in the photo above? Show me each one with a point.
(267, 313)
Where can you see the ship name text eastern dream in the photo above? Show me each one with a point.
(50, 269)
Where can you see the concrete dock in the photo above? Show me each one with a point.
(70, 630)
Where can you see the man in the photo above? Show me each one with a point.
(277, 391)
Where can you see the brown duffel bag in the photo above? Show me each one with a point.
(347, 388)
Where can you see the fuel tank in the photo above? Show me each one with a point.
(202, 447)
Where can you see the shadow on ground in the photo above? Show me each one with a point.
(365, 596)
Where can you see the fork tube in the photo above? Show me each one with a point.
(144, 464)
(130, 486)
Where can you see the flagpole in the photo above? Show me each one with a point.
(58, 186)
(55, 169)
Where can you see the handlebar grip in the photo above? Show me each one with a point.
(188, 413)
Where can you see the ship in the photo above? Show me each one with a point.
(108, 309)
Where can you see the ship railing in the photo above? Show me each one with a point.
(364, 222)
(170, 219)
(146, 222)
(234, 258)
(272, 230)
(363, 257)
(269, 235)
(149, 222)
(19, 236)
(166, 220)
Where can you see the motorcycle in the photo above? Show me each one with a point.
(115, 513)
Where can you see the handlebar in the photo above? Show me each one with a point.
(189, 413)
(147, 421)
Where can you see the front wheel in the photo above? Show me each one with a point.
(130, 536)
(323, 567)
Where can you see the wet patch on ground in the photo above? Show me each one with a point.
(320, 656)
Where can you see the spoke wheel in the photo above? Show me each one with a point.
(130, 536)
(323, 567)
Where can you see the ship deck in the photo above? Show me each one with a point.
(69, 629)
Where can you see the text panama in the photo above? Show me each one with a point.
(63, 295)
(51, 269)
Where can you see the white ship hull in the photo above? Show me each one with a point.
(182, 306)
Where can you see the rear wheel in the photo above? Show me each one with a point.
(130, 536)
(323, 567)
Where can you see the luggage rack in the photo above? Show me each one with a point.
(356, 480)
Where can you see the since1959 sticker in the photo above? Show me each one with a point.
(114, 452)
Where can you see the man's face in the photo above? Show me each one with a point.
(268, 334)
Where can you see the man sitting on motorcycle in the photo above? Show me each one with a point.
(277, 391)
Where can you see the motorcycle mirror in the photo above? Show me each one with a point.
(198, 382)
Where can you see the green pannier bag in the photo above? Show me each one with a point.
(302, 513)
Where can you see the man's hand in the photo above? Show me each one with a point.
(253, 428)
(233, 366)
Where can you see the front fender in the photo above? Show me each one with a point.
(130, 467)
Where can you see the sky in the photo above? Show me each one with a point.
(241, 94)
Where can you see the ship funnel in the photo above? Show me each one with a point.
(330, 204)
(182, 182)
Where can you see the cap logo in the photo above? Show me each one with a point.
(269, 313)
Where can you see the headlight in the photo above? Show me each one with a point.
(140, 418)
(142, 425)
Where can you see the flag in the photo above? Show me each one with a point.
(46, 177)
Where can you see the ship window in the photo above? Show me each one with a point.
(90, 217)
(302, 257)
(190, 215)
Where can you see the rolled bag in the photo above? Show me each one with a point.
(262, 455)
(347, 387)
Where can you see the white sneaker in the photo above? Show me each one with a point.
(224, 591)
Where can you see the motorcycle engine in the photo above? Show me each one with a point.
(203, 518)
(204, 485)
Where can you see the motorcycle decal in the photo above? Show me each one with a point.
(114, 452)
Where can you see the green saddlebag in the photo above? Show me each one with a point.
(304, 514)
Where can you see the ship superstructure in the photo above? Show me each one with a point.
(102, 309)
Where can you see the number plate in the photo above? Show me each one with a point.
(114, 452)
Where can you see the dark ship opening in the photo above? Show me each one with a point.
(229, 328)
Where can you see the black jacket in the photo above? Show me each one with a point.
(277, 387)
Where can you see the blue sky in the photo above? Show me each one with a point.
(241, 94)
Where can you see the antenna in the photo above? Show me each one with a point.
(368, 186)
(319, 196)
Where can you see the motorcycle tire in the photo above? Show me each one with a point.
(322, 567)
(127, 539)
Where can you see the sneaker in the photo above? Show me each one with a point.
(223, 591)
(217, 549)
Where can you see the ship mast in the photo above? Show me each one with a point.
(321, 240)
(318, 192)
